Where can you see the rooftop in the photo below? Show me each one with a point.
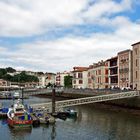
(135, 43)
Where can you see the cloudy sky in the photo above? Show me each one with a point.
(54, 36)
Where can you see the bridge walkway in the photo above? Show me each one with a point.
(73, 102)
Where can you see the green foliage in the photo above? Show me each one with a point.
(40, 73)
(49, 85)
(68, 81)
(10, 70)
(22, 77)
(7, 77)
(2, 72)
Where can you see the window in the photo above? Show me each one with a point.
(80, 81)
(96, 72)
(106, 71)
(136, 62)
(74, 81)
(136, 51)
(99, 72)
(106, 79)
(136, 74)
(74, 75)
(80, 75)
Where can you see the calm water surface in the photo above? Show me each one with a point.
(92, 124)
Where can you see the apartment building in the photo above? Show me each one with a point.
(90, 77)
(80, 79)
(3, 83)
(100, 75)
(125, 74)
(59, 78)
(50, 78)
(136, 65)
(113, 71)
(45, 79)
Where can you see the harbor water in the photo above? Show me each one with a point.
(92, 123)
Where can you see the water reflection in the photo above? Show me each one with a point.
(53, 133)
(109, 125)
(91, 124)
(19, 133)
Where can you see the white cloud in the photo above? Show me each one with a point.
(32, 17)
(28, 17)
(105, 8)
(65, 53)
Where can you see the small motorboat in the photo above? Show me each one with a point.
(71, 112)
(45, 118)
(18, 116)
(16, 95)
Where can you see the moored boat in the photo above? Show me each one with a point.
(18, 116)
(71, 112)
(16, 95)
(46, 118)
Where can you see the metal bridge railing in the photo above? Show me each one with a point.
(87, 100)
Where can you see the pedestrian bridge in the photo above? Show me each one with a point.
(73, 102)
(43, 91)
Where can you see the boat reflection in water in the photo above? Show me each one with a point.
(20, 133)
(49, 131)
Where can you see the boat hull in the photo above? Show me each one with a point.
(19, 123)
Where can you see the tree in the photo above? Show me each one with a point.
(2, 72)
(68, 81)
(7, 77)
(10, 70)
(40, 73)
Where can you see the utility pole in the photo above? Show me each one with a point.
(53, 100)
(22, 95)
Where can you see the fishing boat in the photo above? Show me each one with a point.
(18, 116)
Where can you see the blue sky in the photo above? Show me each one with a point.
(54, 36)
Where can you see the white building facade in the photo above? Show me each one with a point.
(80, 79)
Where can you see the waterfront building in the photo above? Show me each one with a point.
(100, 75)
(125, 74)
(30, 73)
(113, 72)
(136, 65)
(42, 80)
(50, 78)
(80, 79)
(90, 77)
(59, 78)
(3, 83)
